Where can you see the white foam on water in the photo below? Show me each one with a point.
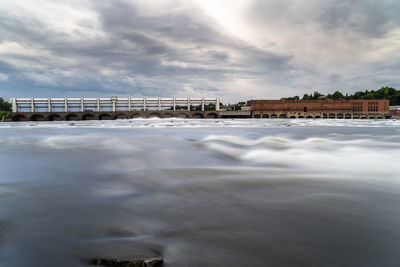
(366, 157)
(201, 123)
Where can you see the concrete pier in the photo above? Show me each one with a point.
(110, 115)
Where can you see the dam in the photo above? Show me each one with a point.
(58, 109)
(73, 109)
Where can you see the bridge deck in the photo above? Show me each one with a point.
(113, 104)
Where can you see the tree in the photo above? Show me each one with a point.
(336, 95)
(4, 105)
(291, 98)
(317, 95)
(369, 95)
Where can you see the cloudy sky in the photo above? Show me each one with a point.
(235, 49)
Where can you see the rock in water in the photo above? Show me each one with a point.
(121, 252)
(152, 262)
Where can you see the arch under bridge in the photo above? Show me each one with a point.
(345, 114)
(88, 115)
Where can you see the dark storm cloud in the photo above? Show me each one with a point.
(121, 21)
(368, 17)
(121, 17)
(371, 18)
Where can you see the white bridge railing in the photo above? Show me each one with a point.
(109, 104)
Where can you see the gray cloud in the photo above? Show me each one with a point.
(371, 18)
(120, 48)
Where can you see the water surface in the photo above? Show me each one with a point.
(201, 192)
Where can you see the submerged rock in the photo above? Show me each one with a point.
(151, 262)
(121, 252)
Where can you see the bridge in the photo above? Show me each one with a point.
(57, 109)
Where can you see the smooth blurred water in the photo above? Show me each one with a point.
(201, 192)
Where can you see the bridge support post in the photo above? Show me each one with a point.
(32, 105)
(49, 104)
(159, 104)
(202, 104)
(98, 104)
(66, 104)
(188, 104)
(144, 104)
(14, 104)
(217, 105)
(114, 103)
(174, 104)
(82, 105)
(129, 104)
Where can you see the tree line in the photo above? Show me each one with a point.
(384, 93)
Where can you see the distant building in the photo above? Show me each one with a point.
(321, 108)
(395, 112)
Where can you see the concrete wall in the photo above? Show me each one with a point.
(89, 115)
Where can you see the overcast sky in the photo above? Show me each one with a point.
(234, 49)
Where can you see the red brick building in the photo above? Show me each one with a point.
(323, 108)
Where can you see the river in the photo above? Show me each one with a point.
(201, 192)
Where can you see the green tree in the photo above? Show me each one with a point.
(4, 105)
(369, 96)
(291, 98)
(317, 95)
(336, 95)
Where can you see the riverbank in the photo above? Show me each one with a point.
(3, 115)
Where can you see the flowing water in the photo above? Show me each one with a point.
(201, 192)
